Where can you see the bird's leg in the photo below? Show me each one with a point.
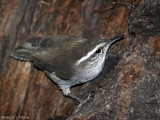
(66, 91)
(65, 87)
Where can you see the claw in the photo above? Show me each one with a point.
(82, 102)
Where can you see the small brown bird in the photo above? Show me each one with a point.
(67, 60)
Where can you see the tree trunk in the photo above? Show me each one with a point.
(128, 87)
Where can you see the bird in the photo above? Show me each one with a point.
(67, 60)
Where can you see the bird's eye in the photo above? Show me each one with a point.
(99, 50)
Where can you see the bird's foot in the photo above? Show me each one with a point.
(82, 102)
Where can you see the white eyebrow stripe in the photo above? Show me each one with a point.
(89, 54)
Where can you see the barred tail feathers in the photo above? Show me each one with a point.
(24, 52)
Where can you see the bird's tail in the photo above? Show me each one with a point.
(24, 52)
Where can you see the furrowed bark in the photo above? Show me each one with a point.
(128, 87)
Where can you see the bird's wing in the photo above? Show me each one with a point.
(55, 53)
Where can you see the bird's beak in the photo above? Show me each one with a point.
(114, 39)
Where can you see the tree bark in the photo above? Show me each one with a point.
(128, 87)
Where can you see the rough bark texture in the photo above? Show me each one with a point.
(130, 90)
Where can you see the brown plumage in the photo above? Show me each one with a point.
(67, 60)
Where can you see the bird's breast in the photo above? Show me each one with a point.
(86, 74)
